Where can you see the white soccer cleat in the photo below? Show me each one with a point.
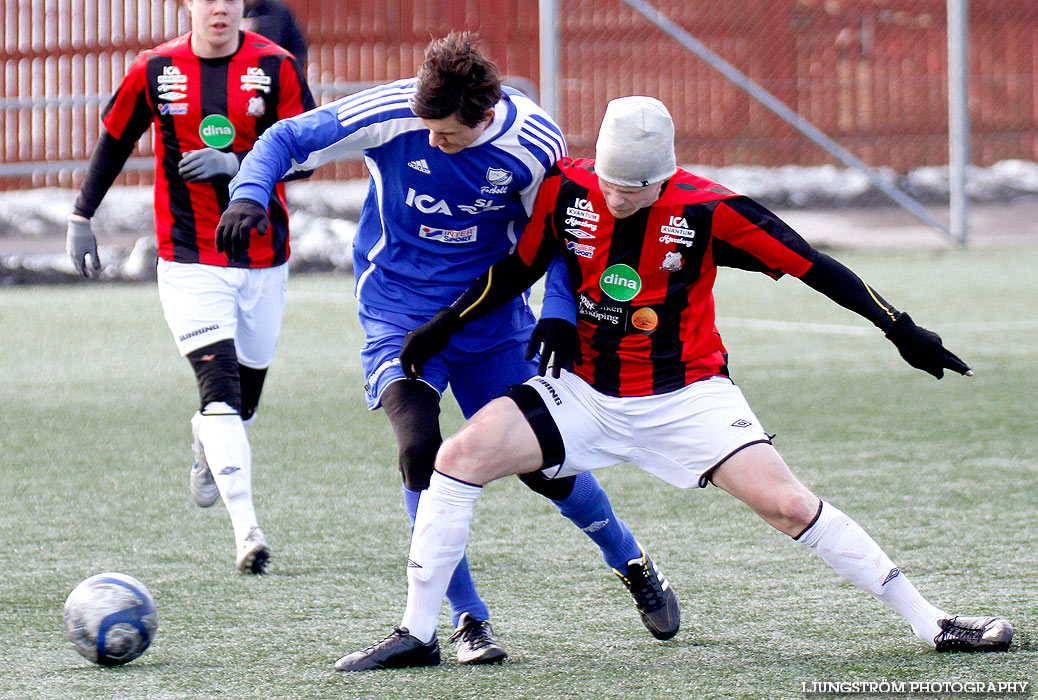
(475, 642)
(204, 491)
(962, 633)
(253, 552)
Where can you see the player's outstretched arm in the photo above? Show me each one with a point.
(923, 348)
(920, 347)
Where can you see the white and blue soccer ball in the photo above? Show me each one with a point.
(110, 618)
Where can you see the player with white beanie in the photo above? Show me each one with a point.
(635, 145)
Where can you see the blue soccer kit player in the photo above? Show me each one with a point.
(455, 161)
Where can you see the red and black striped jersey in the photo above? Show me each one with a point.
(644, 284)
(194, 103)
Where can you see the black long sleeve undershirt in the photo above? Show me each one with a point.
(511, 276)
(505, 280)
(107, 161)
(839, 283)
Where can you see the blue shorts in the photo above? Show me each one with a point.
(481, 362)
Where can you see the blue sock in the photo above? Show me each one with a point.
(587, 506)
(461, 591)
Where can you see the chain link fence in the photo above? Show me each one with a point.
(870, 74)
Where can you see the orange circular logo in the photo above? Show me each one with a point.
(645, 319)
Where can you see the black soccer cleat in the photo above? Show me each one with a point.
(653, 596)
(399, 650)
(962, 633)
(475, 642)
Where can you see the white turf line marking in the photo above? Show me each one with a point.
(751, 323)
(310, 295)
(835, 329)
(798, 326)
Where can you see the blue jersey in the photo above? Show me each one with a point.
(432, 222)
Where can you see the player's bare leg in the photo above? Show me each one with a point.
(759, 477)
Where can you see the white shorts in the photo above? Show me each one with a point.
(680, 436)
(204, 304)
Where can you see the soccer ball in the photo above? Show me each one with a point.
(110, 618)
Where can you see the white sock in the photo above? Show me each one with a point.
(230, 460)
(848, 549)
(441, 529)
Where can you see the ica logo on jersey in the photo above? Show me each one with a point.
(677, 231)
(172, 84)
(426, 204)
(255, 79)
(582, 209)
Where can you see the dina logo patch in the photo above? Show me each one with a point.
(620, 282)
(216, 131)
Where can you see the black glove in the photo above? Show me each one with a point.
(557, 339)
(239, 220)
(207, 164)
(922, 348)
(427, 341)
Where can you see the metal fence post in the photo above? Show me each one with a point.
(549, 57)
(958, 118)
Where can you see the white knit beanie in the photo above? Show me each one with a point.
(636, 142)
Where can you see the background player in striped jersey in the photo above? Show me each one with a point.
(209, 93)
(653, 387)
(455, 162)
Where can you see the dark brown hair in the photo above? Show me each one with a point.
(456, 78)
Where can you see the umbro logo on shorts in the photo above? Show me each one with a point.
(891, 575)
(412, 564)
(741, 423)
